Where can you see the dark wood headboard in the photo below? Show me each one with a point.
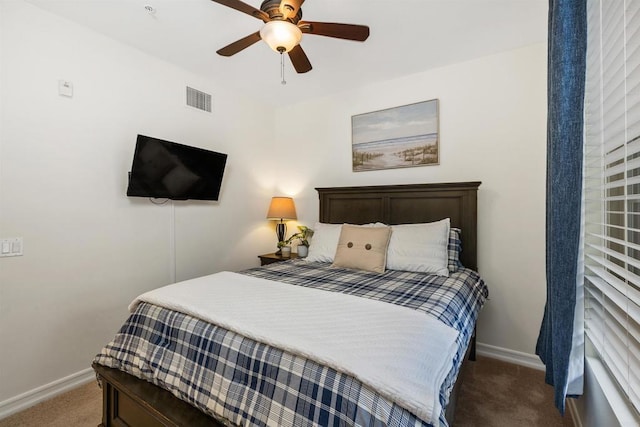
(407, 204)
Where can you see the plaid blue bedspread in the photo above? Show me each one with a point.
(243, 382)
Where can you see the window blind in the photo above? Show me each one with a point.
(612, 189)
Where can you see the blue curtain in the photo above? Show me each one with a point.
(565, 97)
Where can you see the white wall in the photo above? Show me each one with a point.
(493, 129)
(88, 249)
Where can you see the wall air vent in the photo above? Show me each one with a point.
(198, 99)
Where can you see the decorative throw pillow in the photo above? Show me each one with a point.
(323, 244)
(420, 247)
(363, 248)
(454, 248)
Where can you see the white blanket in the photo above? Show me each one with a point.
(403, 354)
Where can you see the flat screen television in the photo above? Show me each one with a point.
(163, 169)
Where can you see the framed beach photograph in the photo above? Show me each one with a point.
(399, 137)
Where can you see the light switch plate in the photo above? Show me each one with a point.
(11, 246)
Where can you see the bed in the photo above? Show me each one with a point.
(325, 394)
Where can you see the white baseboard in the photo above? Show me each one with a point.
(573, 410)
(45, 392)
(511, 356)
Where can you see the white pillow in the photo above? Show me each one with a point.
(324, 242)
(420, 247)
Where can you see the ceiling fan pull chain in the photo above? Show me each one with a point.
(284, 82)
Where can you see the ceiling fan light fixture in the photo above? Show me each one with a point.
(281, 36)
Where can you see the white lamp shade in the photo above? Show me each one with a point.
(281, 36)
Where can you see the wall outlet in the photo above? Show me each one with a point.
(11, 246)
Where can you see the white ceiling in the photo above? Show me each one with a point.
(407, 36)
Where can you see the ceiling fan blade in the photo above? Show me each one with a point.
(245, 8)
(340, 31)
(290, 8)
(239, 45)
(299, 60)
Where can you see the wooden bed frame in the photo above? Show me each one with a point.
(129, 401)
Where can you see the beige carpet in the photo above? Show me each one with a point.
(79, 407)
(497, 394)
(494, 394)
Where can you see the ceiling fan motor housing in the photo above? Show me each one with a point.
(272, 8)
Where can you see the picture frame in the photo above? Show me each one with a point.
(399, 137)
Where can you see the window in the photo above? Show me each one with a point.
(612, 189)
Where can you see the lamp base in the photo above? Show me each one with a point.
(281, 232)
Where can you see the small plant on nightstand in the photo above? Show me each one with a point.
(303, 235)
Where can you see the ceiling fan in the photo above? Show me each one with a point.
(283, 30)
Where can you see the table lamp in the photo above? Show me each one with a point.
(281, 209)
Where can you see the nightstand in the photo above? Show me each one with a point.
(271, 258)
